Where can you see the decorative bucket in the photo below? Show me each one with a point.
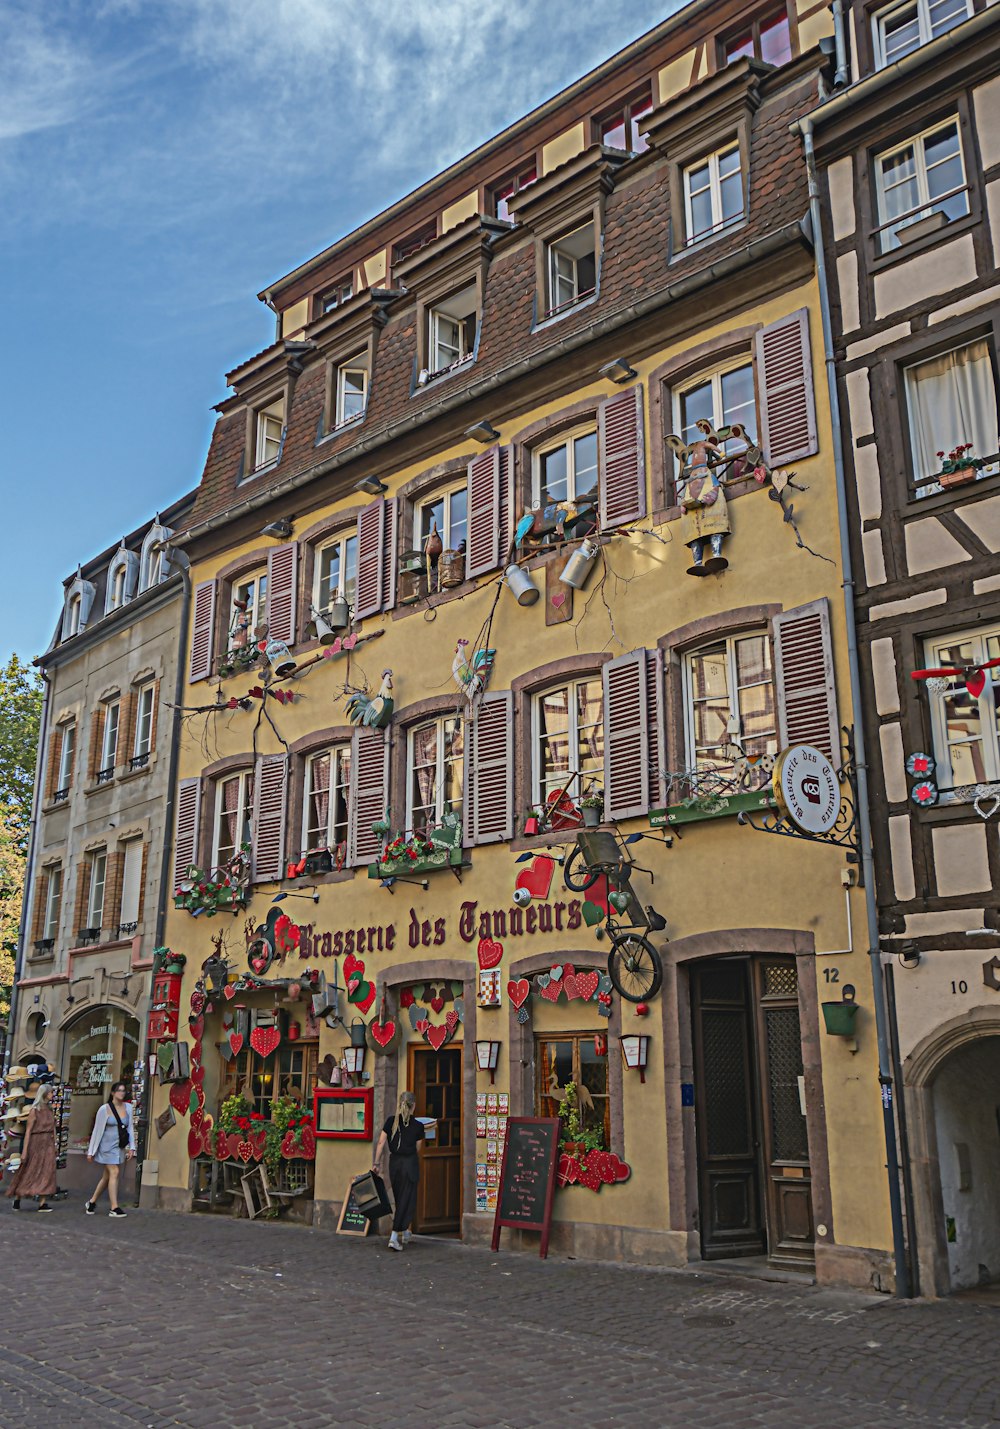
(357, 1030)
(839, 1017)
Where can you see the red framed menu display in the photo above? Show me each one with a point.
(343, 1113)
(528, 1177)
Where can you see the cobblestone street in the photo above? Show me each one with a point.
(185, 1320)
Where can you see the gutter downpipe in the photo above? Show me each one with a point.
(179, 559)
(840, 41)
(885, 1077)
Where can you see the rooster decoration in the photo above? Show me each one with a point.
(272, 939)
(373, 711)
(472, 676)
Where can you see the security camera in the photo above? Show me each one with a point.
(522, 897)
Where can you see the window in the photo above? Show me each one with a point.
(118, 588)
(566, 472)
(66, 757)
(290, 1072)
(572, 268)
(73, 624)
(406, 247)
(904, 27)
(337, 295)
(713, 193)
(446, 513)
(568, 738)
(98, 877)
(922, 177)
(270, 421)
(511, 185)
(434, 786)
(619, 127)
(452, 330)
(328, 780)
(336, 575)
(573, 1057)
(53, 902)
(109, 740)
(249, 605)
(233, 810)
(966, 727)
(722, 399)
(951, 399)
(767, 38)
(144, 721)
(352, 390)
(729, 695)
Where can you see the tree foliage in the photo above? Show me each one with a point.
(20, 713)
(11, 894)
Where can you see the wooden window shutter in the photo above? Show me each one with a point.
(203, 631)
(787, 402)
(126, 729)
(390, 530)
(622, 458)
(282, 578)
(369, 793)
(41, 904)
(807, 694)
(186, 829)
(113, 889)
(154, 711)
(142, 882)
(270, 788)
(655, 699)
(626, 736)
(83, 869)
(55, 759)
(483, 551)
(506, 503)
(489, 773)
(96, 739)
(371, 549)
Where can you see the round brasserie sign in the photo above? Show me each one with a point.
(806, 788)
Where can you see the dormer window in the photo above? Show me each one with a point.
(270, 422)
(572, 268)
(619, 127)
(336, 296)
(767, 38)
(713, 193)
(73, 617)
(904, 27)
(352, 389)
(507, 187)
(452, 333)
(118, 588)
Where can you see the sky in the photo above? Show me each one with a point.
(161, 161)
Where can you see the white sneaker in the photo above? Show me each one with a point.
(407, 1237)
(394, 1241)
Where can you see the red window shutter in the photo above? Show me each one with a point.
(371, 549)
(807, 693)
(202, 631)
(622, 458)
(506, 521)
(787, 402)
(626, 736)
(270, 788)
(482, 553)
(186, 830)
(655, 701)
(390, 530)
(489, 771)
(282, 578)
(369, 793)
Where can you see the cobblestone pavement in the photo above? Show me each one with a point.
(193, 1320)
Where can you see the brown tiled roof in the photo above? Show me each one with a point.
(634, 264)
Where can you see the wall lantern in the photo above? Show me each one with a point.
(486, 1056)
(635, 1049)
(522, 586)
(483, 431)
(371, 486)
(618, 371)
(354, 1060)
(839, 1016)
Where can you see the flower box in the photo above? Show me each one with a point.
(424, 863)
(712, 806)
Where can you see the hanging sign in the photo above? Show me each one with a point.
(807, 789)
(528, 1177)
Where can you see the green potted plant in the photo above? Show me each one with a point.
(592, 805)
(958, 467)
(173, 962)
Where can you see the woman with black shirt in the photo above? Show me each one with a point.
(402, 1133)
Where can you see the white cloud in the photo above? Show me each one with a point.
(44, 76)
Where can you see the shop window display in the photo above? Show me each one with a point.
(100, 1048)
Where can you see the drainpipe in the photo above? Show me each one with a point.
(840, 45)
(864, 813)
(178, 559)
(29, 876)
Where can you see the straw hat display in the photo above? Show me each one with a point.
(17, 1074)
(15, 1092)
(12, 1113)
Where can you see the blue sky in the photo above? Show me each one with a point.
(160, 162)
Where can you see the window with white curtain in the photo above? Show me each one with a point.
(951, 399)
(568, 739)
(729, 694)
(233, 814)
(435, 768)
(324, 813)
(966, 727)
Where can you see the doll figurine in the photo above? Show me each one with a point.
(703, 501)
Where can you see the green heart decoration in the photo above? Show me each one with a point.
(418, 991)
(604, 983)
(165, 1055)
(618, 901)
(361, 992)
(457, 989)
(193, 1103)
(592, 914)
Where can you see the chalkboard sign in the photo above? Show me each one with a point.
(528, 1177)
(352, 1221)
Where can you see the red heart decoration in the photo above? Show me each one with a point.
(363, 1004)
(537, 877)
(264, 1040)
(383, 1032)
(308, 1140)
(258, 1140)
(353, 983)
(568, 1169)
(598, 893)
(518, 991)
(489, 953)
(220, 1145)
(552, 989)
(437, 1036)
(229, 991)
(260, 962)
(236, 1042)
(180, 1096)
(232, 1142)
(559, 599)
(422, 1026)
(975, 682)
(437, 1004)
(589, 1178)
(353, 965)
(451, 1021)
(587, 983)
(197, 1117)
(288, 1147)
(244, 1150)
(195, 1142)
(197, 1003)
(571, 986)
(198, 1075)
(196, 1026)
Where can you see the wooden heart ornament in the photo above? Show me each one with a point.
(229, 991)
(236, 1043)
(264, 1040)
(353, 965)
(384, 1032)
(244, 1151)
(180, 1096)
(437, 1036)
(382, 1037)
(489, 953)
(518, 991)
(537, 877)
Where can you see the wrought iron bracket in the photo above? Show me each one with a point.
(845, 833)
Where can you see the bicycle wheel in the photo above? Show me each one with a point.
(577, 875)
(634, 967)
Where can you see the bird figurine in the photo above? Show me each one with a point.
(372, 711)
(472, 676)
(530, 524)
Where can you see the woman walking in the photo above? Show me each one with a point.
(36, 1175)
(112, 1143)
(403, 1133)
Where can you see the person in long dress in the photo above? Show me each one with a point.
(36, 1175)
(112, 1143)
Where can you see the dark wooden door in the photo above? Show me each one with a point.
(436, 1079)
(731, 1213)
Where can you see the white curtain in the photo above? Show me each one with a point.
(319, 795)
(952, 400)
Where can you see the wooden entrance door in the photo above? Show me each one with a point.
(436, 1079)
(753, 1159)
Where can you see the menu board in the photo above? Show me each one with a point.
(528, 1177)
(352, 1221)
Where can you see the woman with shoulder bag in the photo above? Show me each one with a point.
(403, 1134)
(112, 1143)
